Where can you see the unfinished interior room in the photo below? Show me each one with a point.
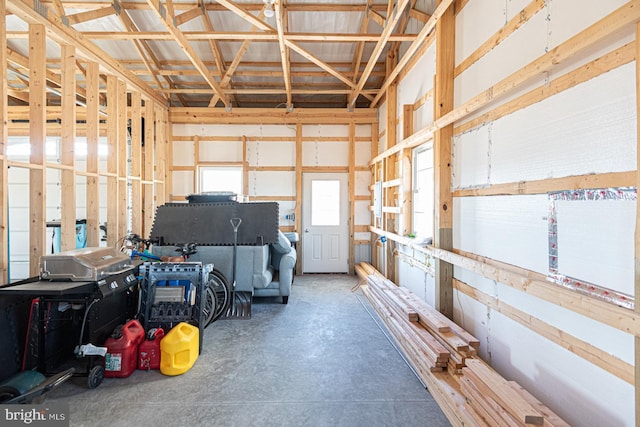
(319, 213)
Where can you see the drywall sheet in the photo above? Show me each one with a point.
(590, 128)
(261, 153)
(414, 279)
(272, 183)
(580, 392)
(325, 153)
(590, 239)
(182, 183)
(183, 153)
(471, 32)
(474, 318)
(512, 229)
(471, 155)
(220, 151)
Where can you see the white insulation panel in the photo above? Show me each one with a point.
(362, 214)
(272, 183)
(590, 128)
(325, 153)
(182, 183)
(476, 22)
(594, 242)
(363, 181)
(416, 83)
(220, 151)
(183, 153)
(471, 158)
(509, 54)
(363, 153)
(271, 153)
(512, 229)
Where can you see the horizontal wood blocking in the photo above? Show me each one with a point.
(272, 116)
(605, 180)
(532, 283)
(598, 357)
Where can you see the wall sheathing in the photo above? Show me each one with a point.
(270, 167)
(576, 118)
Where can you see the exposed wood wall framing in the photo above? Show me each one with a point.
(68, 111)
(4, 134)
(37, 137)
(637, 234)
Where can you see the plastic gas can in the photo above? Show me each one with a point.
(122, 350)
(149, 350)
(179, 349)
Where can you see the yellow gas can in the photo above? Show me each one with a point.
(179, 349)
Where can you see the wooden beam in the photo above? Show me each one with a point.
(189, 15)
(246, 15)
(187, 48)
(636, 258)
(271, 115)
(4, 136)
(136, 163)
(37, 140)
(352, 196)
(112, 160)
(280, 11)
(67, 148)
(33, 11)
(418, 15)
(236, 35)
(236, 61)
(390, 24)
(425, 32)
(122, 147)
(320, 63)
(376, 17)
(406, 174)
(93, 137)
(149, 166)
(90, 15)
(443, 100)
(298, 206)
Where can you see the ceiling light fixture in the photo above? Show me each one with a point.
(269, 12)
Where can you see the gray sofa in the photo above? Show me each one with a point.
(263, 270)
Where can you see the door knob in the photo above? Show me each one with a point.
(306, 230)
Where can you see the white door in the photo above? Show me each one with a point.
(325, 223)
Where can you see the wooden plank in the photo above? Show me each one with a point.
(90, 15)
(443, 104)
(550, 417)
(37, 136)
(492, 413)
(636, 248)
(148, 199)
(281, 9)
(136, 164)
(162, 149)
(4, 136)
(92, 81)
(328, 68)
(352, 194)
(243, 13)
(112, 160)
(271, 115)
(67, 149)
(189, 15)
(500, 391)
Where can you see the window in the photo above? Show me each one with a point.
(325, 202)
(423, 192)
(221, 178)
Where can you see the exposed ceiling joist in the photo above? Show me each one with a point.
(320, 63)
(90, 15)
(189, 15)
(243, 13)
(286, 71)
(187, 48)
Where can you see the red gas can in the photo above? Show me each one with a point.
(122, 350)
(149, 350)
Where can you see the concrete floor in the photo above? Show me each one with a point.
(321, 360)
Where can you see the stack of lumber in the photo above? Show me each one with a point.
(430, 340)
(499, 402)
(444, 356)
